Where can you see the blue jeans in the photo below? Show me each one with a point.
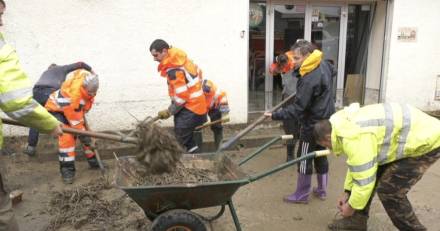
(40, 94)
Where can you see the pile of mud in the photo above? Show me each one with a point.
(94, 206)
(138, 175)
(158, 149)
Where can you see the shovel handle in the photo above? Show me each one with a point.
(99, 135)
(249, 128)
(222, 120)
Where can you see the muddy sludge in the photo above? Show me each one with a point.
(137, 174)
(158, 149)
(94, 206)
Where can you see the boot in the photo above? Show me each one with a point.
(30, 150)
(218, 137)
(290, 150)
(356, 222)
(93, 162)
(320, 191)
(67, 169)
(301, 196)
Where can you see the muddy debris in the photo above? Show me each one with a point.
(158, 150)
(140, 176)
(94, 206)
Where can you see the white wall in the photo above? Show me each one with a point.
(413, 66)
(114, 37)
(375, 51)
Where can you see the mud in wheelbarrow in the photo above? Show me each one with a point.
(168, 206)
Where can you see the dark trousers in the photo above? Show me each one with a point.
(394, 181)
(306, 166)
(215, 114)
(40, 94)
(291, 127)
(185, 122)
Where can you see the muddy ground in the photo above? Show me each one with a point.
(259, 205)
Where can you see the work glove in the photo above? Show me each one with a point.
(224, 108)
(85, 140)
(174, 108)
(164, 114)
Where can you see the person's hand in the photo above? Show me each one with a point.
(346, 210)
(57, 131)
(268, 114)
(164, 114)
(342, 200)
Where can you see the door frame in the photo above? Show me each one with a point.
(269, 49)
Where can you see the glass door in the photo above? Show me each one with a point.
(325, 28)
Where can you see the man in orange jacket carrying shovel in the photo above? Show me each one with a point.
(188, 103)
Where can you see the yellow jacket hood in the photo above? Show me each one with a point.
(310, 63)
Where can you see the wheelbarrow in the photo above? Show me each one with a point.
(169, 206)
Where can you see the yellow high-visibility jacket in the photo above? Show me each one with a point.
(379, 134)
(16, 94)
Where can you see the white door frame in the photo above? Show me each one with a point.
(307, 35)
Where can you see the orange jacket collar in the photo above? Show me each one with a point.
(175, 58)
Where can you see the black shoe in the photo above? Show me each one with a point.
(93, 162)
(67, 169)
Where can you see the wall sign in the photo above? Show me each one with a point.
(407, 34)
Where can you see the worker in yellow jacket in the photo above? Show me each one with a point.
(388, 147)
(16, 101)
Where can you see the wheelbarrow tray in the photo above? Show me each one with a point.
(156, 199)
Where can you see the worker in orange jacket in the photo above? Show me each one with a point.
(69, 105)
(284, 66)
(217, 105)
(188, 104)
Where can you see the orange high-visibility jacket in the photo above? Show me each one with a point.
(214, 95)
(72, 99)
(290, 64)
(184, 81)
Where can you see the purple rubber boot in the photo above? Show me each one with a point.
(321, 190)
(301, 196)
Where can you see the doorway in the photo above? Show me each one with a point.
(336, 29)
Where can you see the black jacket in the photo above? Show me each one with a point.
(314, 99)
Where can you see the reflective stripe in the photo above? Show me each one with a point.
(365, 181)
(388, 122)
(371, 123)
(362, 167)
(389, 127)
(193, 149)
(15, 94)
(196, 94)
(74, 122)
(181, 89)
(406, 125)
(63, 100)
(2, 43)
(23, 111)
(191, 81)
(179, 100)
(64, 159)
(66, 150)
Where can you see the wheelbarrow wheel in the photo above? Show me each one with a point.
(178, 220)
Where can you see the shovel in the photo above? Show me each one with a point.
(251, 126)
(93, 146)
(105, 136)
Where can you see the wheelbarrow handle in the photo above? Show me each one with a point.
(264, 147)
(280, 167)
(250, 127)
(99, 135)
